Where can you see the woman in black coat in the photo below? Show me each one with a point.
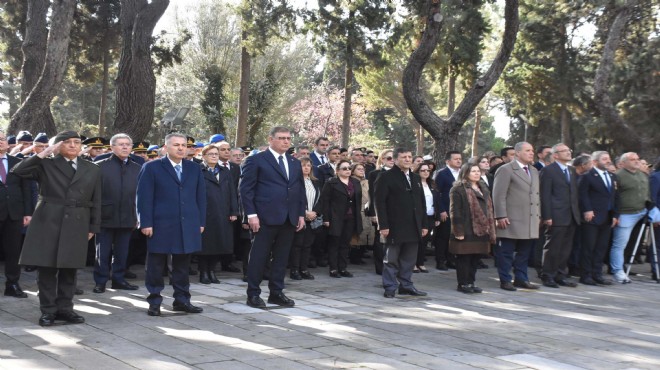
(303, 240)
(221, 212)
(432, 198)
(340, 200)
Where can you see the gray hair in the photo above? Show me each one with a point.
(581, 160)
(518, 147)
(556, 146)
(116, 137)
(174, 134)
(222, 142)
(595, 156)
(624, 156)
(277, 130)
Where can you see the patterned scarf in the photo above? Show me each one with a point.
(482, 224)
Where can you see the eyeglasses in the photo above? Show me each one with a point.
(283, 138)
(344, 168)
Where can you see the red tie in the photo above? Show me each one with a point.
(526, 170)
(226, 165)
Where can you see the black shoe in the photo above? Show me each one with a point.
(129, 275)
(281, 300)
(191, 271)
(451, 265)
(123, 285)
(388, 294)
(481, 265)
(187, 307)
(99, 288)
(70, 317)
(564, 282)
(476, 289)
(524, 284)
(345, 274)
(467, 289)
(508, 286)
(78, 292)
(574, 272)
(256, 302)
(47, 319)
(587, 281)
(412, 291)
(14, 290)
(306, 275)
(154, 310)
(602, 281)
(204, 278)
(30, 269)
(335, 274)
(214, 279)
(550, 283)
(231, 268)
(295, 275)
(441, 266)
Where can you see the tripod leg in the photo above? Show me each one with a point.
(634, 252)
(655, 254)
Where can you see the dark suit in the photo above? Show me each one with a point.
(444, 181)
(343, 213)
(278, 201)
(118, 217)
(15, 203)
(69, 208)
(176, 210)
(559, 203)
(324, 173)
(135, 158)
(538, 165)
(594, 196)
(401, 209)
(371, 212)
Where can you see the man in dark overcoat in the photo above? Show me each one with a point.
(118, 218)
(401, 211)
(171, 205)
(15, 212)
(67, 215)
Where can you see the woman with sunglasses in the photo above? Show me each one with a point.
(303, 239)
(221, 212)
(340, 201)
(472, 225)
(432, 197)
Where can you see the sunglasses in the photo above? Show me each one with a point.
(424, 170)
(344, 168)
(388, 158)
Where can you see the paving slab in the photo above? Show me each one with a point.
(344, 323)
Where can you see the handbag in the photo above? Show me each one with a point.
(316, 223)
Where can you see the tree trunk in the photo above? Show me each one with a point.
(348, 97)
(244, 96)
(451, 94)
(104, 92)
(475, 133)
(445, 132)
(135, 82)
(36, 106)
(419, 137)
(34, 57)
(627, 136)
(566, 136)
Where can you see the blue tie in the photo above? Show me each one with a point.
(177, 168)
(607, 181)
(568, 177)
(281, 162)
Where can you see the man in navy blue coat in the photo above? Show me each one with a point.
(171, 203)
(273, 198)
(597, 198)
(444, 181)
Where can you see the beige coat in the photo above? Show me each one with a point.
(516, 196)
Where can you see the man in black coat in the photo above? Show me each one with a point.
(118, 218)
(444, 181)
(401, 211)
(67, 216)
(15, 212)
(224, 161)
(597, 197)
(560, 215)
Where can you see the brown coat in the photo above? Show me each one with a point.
(462, 221)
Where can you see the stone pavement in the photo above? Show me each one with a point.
(345, 323)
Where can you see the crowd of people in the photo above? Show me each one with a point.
(280, 209)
